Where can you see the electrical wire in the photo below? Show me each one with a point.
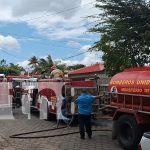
(9, 54)
(59, 12)
(78, 27)
(75, 55)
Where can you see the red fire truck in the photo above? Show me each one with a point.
(129, 100)
(51, 92)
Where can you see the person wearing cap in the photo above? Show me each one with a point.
(56, 73)
(84, 103)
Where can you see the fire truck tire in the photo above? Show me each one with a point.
(114, 130)
(129, 132)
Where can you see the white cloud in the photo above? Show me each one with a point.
(66, 34)
(88, 59)
(8, 42)
(25, 7)
(73, 44)
(24, 64)
(43, 16)
(85, 48)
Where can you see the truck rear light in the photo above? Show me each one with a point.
(139, 147)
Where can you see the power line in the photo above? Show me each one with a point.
(75, 55)
(78, 27)
(58, 46)
(81, 20)
(9, 54)
(59, 12)
(18, 36)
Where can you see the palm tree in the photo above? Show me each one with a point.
(3, 62)
(46, 64)
(33, 61)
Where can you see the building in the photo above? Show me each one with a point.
(92, 71)
(96, 71)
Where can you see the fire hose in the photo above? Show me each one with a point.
(19, 136)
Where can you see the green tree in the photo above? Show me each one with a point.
(33, 61)
(10, 69)
(16, 67)
(75, 67)
(3, 62)
(46, 64)
(125, 33)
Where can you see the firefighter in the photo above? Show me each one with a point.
(56, 73)
(84, 103)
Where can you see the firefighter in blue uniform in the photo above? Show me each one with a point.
(84, 102)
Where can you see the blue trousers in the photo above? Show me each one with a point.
(84, 124)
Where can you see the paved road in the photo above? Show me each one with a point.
(100, 140)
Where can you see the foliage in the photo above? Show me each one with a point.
(45, 64)
(41, 65)
(125, 33)
(10, 69)
(33, 61)
(75, 67)
(3, 62)
(17, 67)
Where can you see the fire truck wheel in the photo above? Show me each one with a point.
(129, 133)
(114, 130)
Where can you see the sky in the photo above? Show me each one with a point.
(46, 27)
